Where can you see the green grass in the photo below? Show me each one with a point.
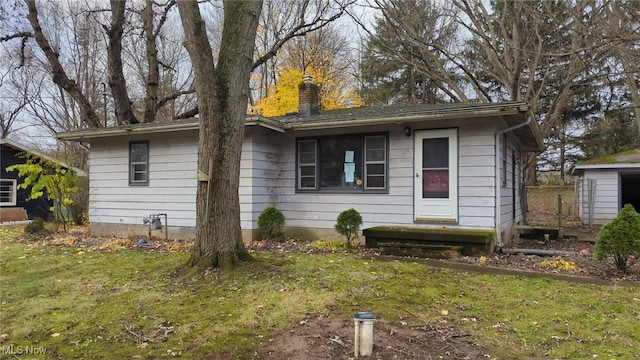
(118, 304)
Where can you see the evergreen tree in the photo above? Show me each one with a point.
(405, 59)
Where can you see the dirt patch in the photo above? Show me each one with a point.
(326, 338)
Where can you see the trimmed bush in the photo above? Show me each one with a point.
(620, 239)
(348, 224)
(270, 223)
(35, 226)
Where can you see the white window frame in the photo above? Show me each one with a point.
(13, 192)
(302, 165)
(382, 162)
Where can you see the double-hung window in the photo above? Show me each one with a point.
(8, 192)
(139, 163)
(349, 163)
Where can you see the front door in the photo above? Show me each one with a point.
(436, 175)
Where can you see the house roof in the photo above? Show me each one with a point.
(14, 145)
(516, 117)
(621, 160)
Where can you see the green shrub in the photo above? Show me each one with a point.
(348, 224)
(620, 239)
(35, 226)
(323, 244)
(270, 223)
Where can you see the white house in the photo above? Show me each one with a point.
(453, 166)
(606, 184)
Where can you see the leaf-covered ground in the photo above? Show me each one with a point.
(402, 333)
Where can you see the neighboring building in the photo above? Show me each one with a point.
(606, 184)
(454, 166)
(15, 204)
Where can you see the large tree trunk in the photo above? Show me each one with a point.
(117, 82)
(222, 103)
(153, 76)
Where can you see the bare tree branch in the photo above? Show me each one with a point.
(24, 34)
(302, 29)
(174, 96)
(58, 74)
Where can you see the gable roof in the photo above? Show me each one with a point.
(14, 145)
(621, 160)
(513, 114)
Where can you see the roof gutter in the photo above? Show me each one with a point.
(37, 153)
(498, 185)
(159, 128)
(108, 132)
(444, 115)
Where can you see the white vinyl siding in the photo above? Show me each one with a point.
(507, 216)
(268, 171)
(260, 174)
(172, 181)
(476, 184)
(606, 199)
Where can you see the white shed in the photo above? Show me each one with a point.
(606, 184)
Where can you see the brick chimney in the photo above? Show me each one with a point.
(308, 97)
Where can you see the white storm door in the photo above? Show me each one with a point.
(436, 175)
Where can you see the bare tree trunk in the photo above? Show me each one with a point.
(222, 103)
(623, 49)
(529, 169)
(59, 76)
(117, 82)
(153, 74)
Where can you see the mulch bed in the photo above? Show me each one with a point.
(577, 259)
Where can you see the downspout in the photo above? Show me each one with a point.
(498, 163)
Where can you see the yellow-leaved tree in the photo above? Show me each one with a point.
(283, 97)
(321, 54)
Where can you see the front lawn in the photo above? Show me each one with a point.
(80, 303)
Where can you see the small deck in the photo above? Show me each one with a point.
(429, 242)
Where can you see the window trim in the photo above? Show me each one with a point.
(385, 162)
(133, 182)
(13, 192)
(299, 165)
(364, 189)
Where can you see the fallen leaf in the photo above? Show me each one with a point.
(55, 334)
